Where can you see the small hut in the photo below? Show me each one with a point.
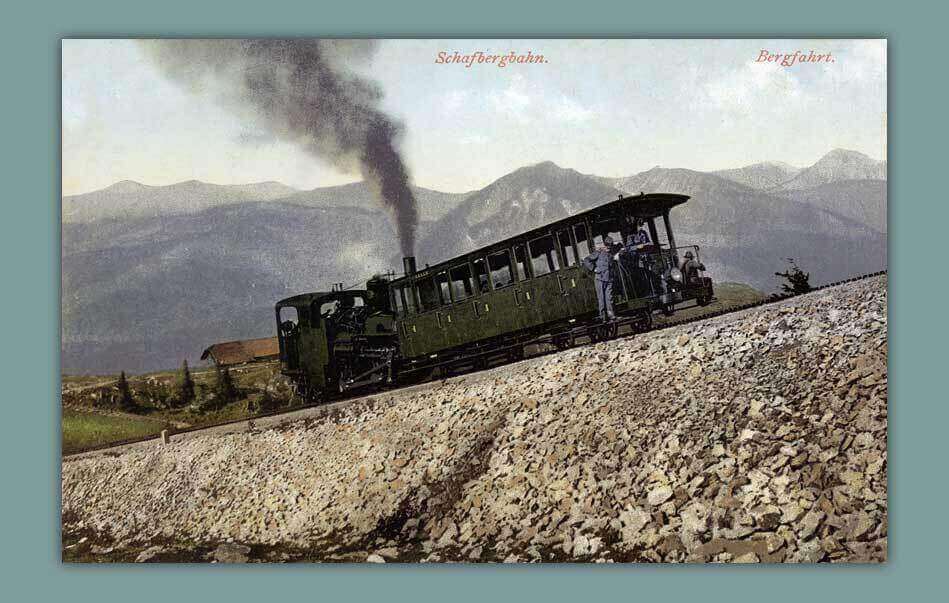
(230, 353)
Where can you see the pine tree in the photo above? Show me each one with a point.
(225, 388)
(185, 386)
(126, 402)
(798, 281)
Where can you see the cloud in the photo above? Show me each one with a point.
(567, 109)
(862, 64)
(754, 87)
(518, 100)
(513, 98)
(473, 139)
(255, 138)
(455, 99)
(858, 70)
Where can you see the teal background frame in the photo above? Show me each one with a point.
(29, 523)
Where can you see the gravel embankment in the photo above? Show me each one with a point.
(758, 436)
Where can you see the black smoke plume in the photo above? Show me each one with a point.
(303, 92)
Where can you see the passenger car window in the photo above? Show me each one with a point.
(481, 275)
(520, 260)
(427, 293)
(501, 273)
(583, 241)
(461, 282)
(543, 257)
(408, 296)
(441, 280)
(397, 299)
(607, 227)
(566, 248)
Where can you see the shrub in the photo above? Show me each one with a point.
(262, 403)
(224, 386)
(126, 401)
(796, 280)
(185, 393)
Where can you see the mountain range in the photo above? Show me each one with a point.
(153, 274)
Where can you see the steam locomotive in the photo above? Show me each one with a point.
(487, 305)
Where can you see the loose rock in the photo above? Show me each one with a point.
(775, 450)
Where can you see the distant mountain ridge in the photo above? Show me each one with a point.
(743, 232)
(142, 293)
(145, 285)
(765, 175)
(525, 198)
(836, 166)
(860, 200)
(130, 200)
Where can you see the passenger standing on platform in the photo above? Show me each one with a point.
(600, 263)
(636, 259)
(636, 243)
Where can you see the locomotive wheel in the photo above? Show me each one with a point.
(644, 323)
(603, 331)
(703, 299)
(563, 342)
(594, 334)
(668, 310)
(610, 330)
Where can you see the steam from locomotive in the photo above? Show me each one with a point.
(301, 92)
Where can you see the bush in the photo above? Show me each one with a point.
(126, 401)
(262, 403)
(797, 281)
(217, 395)
(185, 393)
(224, 386)
(158, 394)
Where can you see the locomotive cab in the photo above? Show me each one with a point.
(335, 340)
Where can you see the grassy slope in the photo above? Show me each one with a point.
(83, 430)
(93, 427)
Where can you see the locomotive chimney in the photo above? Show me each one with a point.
(408, 264)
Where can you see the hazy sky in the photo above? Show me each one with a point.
(607, 107)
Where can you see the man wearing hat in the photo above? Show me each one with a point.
(600, 263)
(638, 241)
(690, 268)
(636, 259)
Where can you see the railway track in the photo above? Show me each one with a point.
(340, 401)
